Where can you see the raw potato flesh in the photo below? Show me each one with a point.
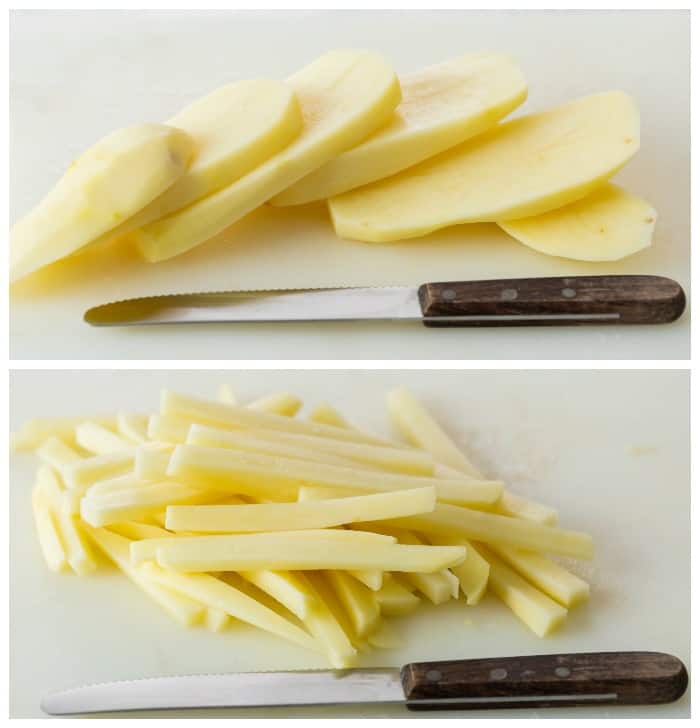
(521, 168)
(235, 128)
(108, 184)
(441, 106)
(608, 224)
(344, 96)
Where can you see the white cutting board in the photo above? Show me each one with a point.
(78, 75)
(610, 450)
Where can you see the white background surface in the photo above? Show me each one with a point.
(610, 450)
(77, 76)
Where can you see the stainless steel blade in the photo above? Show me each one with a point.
(322, 304)
(240, 690)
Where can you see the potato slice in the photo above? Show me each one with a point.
(106, 185)
(472, 573)
(518, 507)
(133, 427)
(608, 224)
(261, 475)
(98, 440)
(441, 106)
(39, 429)
(47, 532)
(57, 454)
(540, 613)
(287, 588)
(395, 599)
(344, 96)
(495, 528)
(279, 403)
(523, 167)
(151, 463)
(296, 516)
(326, 414)
(83, 473)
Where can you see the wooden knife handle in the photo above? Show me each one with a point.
(553, 301)
(545, 681)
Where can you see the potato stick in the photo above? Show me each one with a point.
(371, 578)
(157, 518)
(34, 432)
(216, 594)
(323, 492)
(168, 429)
(69, 502)
(394, 599)
(326, 414)
(98, 439)
(393, 459)
(518, 507)
(288, 588)
(358, 601)
(147, 549)
(57, 454)
(247, 441)
(152, 463)
(540, 613)
(257, 474)
(136, 531)
(84, 473)
(280, 403)
(216, 620)
(133, 427)
(502, 530)
(262, 551)
(552, 579)
(324, 589)
(324, 625)
(417, 425)
(185, 610)
(225, 394)
(472, 573)
(47, 533)
(134, 503)
(115, 485)
(231, 416)
(298, 516)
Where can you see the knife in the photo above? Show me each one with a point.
(511, 302)
(541, 681)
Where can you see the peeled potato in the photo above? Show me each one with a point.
(109, 183)
(344, 96)
(609, 224)
(523, 167)
(441, 106)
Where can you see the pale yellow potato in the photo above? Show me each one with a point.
(47, 532)
(287, 588)
(371, 578)
(39, 429)
(518, 507)
(57, 454)
(326, 414)
(225, 394)
(494, 528)
(133, 427)
(536, 610)
(82, 474)
(107, 184)
(261, 475)
(441, 106)
(524, 167)
(395, 599)
(216, 620)
(552, 579)
(152, 463)
(168, 428)
(278, 403)
(95, 438)
(609, 224)
(357, 600)
(472, 573)
(344, 95)
(296, 516)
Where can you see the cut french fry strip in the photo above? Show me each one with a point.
(294, 551)
(47, 533)
(183, 609)
(168, 429)
(97, 439)
(498, 529)
(400, 460)
(57, 454)
(217, 414)
(326, 414)
(135, 531)
(134, 503)
(552, 579)
(281, 403)
(287, 588)
(417, 425)
(263, 475)
(88, 471)
(540, 613)
(225, 394)
(358, 601)
(216, 594)
(472, 573)
(147, 549)
(216, 620)
(133, 427)
(518, 507)
(297, 516)
(115, 485)
(152, 463)
(34, 432)
(395, 599)
(371, 578)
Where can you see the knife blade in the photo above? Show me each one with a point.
(623, 678)
(510, 302)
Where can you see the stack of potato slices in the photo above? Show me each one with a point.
(310, 529)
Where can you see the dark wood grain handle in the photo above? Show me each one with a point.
(553, 301)
(545, 681)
